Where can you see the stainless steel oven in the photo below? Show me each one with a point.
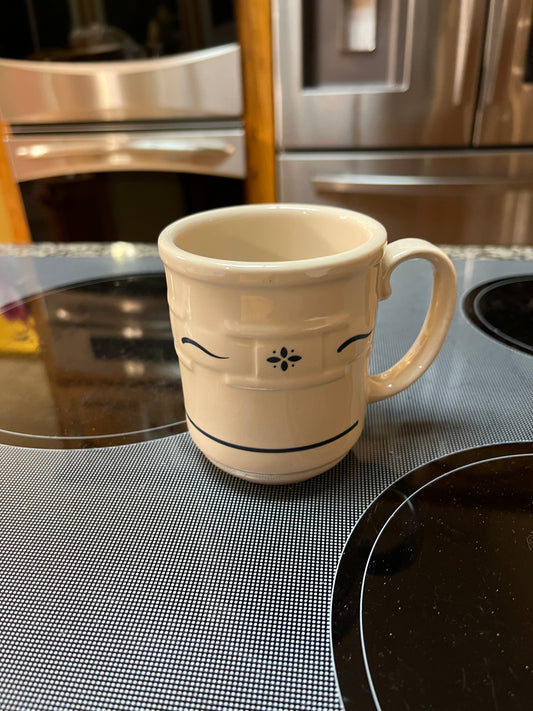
(122, 116)
(125, 183)
(418, 113)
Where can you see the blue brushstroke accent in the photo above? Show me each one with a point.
(194, 343)
(359, 337)
(262, 450)
(284, 358)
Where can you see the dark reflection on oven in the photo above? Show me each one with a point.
(103, 30)
(90, 365)
(98, 206)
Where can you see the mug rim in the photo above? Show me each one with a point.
(176, 257)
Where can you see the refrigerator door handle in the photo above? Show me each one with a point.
(407, 184)
(464, 35)
(498, 18)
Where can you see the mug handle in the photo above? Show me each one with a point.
(437, 322)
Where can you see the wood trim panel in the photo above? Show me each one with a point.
(13, 224)
(255, 37)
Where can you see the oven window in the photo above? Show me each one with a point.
(102, 30)
(129, 207)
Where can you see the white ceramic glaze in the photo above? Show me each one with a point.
(272, 310)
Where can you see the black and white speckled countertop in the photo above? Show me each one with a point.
(132, 250)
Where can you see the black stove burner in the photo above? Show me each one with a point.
(90, 365)
(503, 309)
(433, 600)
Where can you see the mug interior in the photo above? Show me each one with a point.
(273, 235)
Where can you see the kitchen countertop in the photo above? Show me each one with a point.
(131, 250)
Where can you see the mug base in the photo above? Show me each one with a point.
(277, 479)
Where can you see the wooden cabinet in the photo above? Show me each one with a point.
(13, 225)
(255, 37)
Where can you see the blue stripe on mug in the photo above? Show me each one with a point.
(283, 450)
(195, 343)
(359, 337)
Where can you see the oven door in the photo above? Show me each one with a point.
(125, 186)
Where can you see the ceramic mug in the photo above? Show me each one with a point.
(272, 310)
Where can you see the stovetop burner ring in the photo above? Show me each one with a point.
(503, 309)
(411, 575)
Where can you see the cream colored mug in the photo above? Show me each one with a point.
(272, 310)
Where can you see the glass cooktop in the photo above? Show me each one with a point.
(433, 605)
(89, 365)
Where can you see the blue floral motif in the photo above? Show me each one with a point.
(284, 359)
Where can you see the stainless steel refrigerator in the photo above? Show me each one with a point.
(418, 113)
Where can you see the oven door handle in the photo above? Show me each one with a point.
(118, 146)
(48, 156)
(407, 184)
